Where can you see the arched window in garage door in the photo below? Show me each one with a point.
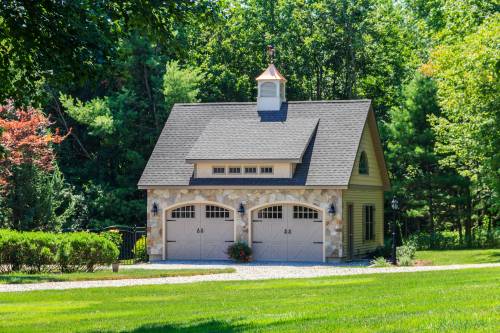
(184, 212)
(216, 212)
(303, 212)
(271, 212)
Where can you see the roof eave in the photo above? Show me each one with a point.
(236, 160)
(207, 187)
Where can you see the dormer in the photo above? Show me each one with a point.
(271, 89)
(249, 148)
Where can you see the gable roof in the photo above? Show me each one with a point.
(327, 161)
(253, 140)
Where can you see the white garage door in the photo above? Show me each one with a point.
(287, 233)
(199, 231)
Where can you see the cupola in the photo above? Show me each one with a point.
(271, 87)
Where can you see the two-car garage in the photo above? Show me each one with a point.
(281, 232)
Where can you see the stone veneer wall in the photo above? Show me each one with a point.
(321, 198)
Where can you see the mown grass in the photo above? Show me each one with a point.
(451, 257)
(440, 301)
(129, 273)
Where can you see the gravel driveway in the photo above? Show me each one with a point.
(243, 272)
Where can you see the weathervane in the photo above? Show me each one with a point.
(270, 53)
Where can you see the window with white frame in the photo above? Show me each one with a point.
(271, 212)
(251, 170)
(184, 212)
(234, 170)
(266, 170)
(216, 212)
(218, 170)
(302, 212)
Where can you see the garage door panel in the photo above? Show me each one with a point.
(270, 251)
(302, 241)
(217, 225)
(305, 239)
(216, 237)
(183, 240)
(305, 251)
(199, 231)
(269, 231)
(183, 233)
(183, 250)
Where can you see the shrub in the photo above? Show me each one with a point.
(450, 240)
(29, 251)
(405, 261)
(380, 262)
(114, 236)
(42, 251)
(84, 250)
(239, 251)
(140, 250)
(406, 250)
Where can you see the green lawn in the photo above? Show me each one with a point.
(446, 301)
(450, 257)
(131, 273)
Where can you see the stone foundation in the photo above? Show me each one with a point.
(251, 198)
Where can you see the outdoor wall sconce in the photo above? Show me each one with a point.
(241, 209)
(331, 209)
(154, 209)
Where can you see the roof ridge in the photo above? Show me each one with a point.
(288, 102)
(332, 101)
(215, 103)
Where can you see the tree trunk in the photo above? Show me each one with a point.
(430, 202)
(468, 220)
(150, 96)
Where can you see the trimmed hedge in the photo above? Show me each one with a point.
(49, 252)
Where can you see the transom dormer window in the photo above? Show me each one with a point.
(234, 170)
(363, 164)
(267, 170)
(219, 170)
(250, 170)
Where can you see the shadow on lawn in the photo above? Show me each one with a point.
(214, 326)
(18, 279)
(206, 326)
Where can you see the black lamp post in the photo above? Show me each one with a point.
(394, 206)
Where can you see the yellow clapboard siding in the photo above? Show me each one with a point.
(360, 197)
(373, 177)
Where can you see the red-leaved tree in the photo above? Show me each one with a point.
(26, 139)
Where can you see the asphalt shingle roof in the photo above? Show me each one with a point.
(252, 139)
(327, 161)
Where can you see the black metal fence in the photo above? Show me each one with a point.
(134, 242)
